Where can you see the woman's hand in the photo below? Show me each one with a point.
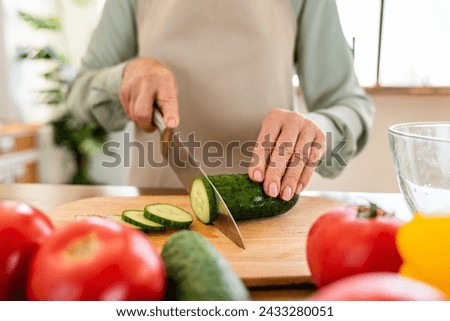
(144, 81)
(287, 151)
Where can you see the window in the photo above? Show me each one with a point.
(25, 77)
(414, 49)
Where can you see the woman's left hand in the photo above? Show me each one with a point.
(288, 150)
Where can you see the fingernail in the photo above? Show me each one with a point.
(299, 189)
(171, 123)
(273, 189)
(287, 193)
(257, 176)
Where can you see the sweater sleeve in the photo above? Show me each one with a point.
(332, 94)
(94, 94)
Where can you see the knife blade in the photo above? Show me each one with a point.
(187, 169)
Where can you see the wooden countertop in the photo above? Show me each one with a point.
(47, 197)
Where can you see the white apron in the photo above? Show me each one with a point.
(232, 61)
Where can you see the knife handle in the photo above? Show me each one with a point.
(166, 133)
(158, 119)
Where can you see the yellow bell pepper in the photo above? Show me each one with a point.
(424, 244)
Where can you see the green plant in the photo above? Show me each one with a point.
(79, 138)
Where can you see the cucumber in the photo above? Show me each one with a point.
(136, 217)
(198, 272)
(203, 200)
(245, 198)
(168, 215)
(118, 218)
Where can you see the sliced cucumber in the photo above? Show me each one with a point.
(198, 272)
(168, 215)
(245, 198)
(136, 217)
(203, 200)
(118, 218)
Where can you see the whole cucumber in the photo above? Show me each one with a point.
(196, 271)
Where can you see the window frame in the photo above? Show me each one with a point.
(378, 89)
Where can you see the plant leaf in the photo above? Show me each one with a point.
(47, 23)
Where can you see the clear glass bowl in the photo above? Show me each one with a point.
(421, 155)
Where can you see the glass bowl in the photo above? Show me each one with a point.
(421, 155)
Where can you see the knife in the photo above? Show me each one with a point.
(190, 170)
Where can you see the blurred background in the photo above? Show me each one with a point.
(401, 54)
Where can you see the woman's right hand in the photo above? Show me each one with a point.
(144, 81)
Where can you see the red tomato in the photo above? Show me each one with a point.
(348, 240)
(378, 286)
(23, 229)
(97, 259)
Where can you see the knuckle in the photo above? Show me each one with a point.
(291, 177)
(274, 170)
(264, 144)
(149, 78)
(314, 158)
(309, 128)
(275, 111)
(320, 134)
(298, 160)
(169, 101)
(314, 155)
(275, 114)
(166, 75)
(317, 147)
(285, 150)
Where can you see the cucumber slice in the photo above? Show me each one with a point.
(203, 200)
(136, 217)
(168, 215)
(118, 218)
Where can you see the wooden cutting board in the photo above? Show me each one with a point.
(275, 247)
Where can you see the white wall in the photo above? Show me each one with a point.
(372, 170)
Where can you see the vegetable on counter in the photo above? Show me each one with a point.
(168, 215)
(118, 218)
(23, 229)
(96, 259)
(378, 286)
(424, 244)
(196, 271)
(352, 239)
(154, 217)
(136, 218)
(245, 198)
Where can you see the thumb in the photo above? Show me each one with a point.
(167, 100)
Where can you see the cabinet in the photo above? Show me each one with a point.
(19, 155)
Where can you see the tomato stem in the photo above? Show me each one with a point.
(371, 211)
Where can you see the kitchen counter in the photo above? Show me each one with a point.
(47, 197)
